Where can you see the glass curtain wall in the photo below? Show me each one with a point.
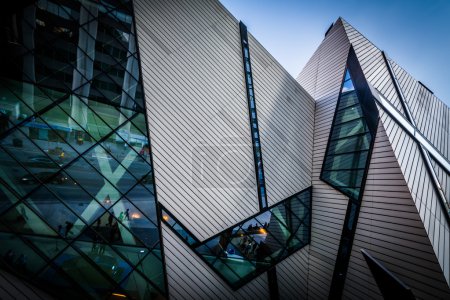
(77, 199)
(242, 252)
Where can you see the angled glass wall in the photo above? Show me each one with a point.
(244, 251)
(347, 157)
(349, 143)
(77, 200)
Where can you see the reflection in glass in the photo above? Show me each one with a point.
(76, 180)
(350, 140)
(244, 251)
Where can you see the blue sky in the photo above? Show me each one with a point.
(414, 33)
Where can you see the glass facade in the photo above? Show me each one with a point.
(77, 199)
(244, 251)
(347, 158)
(349, 143)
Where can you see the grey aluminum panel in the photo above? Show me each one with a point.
(372, 64)
(419, 184)
(326, 67)
(444, 179)
(285, 118)
(292, 275)
(193, 81)
(431, 115)
(190, 278)
(390, 228)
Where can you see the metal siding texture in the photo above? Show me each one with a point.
(191, 278)
(329, 206)
(372, 64)
(193, 80)
(390, 228)
(286, 118)
(443, 177)
(293, 275)
(420, 186)
(431, 115)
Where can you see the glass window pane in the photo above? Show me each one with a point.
(152, 268)
(22, 219)
(348, 114)
(355, 160)
(136, 222)
(18, 256)
(84, 273)
(113, 265)
(350, 144)
(139, 287)
(348, 86)
(55, 213)
(348, 99)
(348, 129)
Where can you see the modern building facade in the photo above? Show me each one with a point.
(154, 150)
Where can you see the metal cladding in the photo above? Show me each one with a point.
(155, 150)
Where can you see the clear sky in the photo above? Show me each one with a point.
(414, 33)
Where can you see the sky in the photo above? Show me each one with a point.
(414, 33)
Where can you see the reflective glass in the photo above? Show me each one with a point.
(55, 213)
(60, 283)
(348, 129)
(353, 160)
(242, 252)
(347, 152)
(138, 287)
(74, 151)
(113, 265)
(347, 100)
(143, 199)
(136, 222)
(85, 273)
(151, 267)
(22, 219)
(18, 255)
(350, 144)
(49, 246)
(349, 114)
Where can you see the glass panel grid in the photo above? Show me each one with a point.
(347, 152)
(76, 178)
(242, 252)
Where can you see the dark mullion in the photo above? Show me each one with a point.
(263, 269)
(70, 242)
(80, 156)
(23, 203)
(48, 261)
(256, 142)
(353, 206)
(150, 145)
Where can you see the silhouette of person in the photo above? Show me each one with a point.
(69, 226)
(127, 214)
(110, 218)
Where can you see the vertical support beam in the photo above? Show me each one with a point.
(129, 82)
(85, 63)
